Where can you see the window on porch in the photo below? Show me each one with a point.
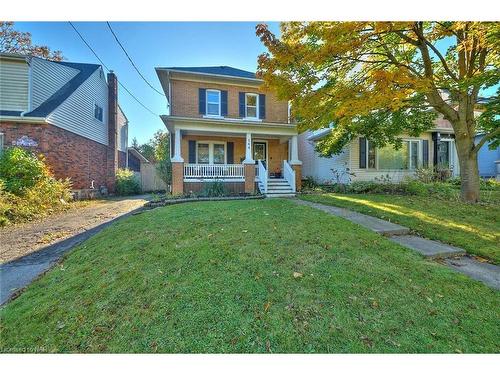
(210, 153)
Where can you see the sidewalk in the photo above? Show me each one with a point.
(454, 257)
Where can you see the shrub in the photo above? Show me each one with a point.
(425, 175)
(21, 169)
(27, 188)
(127, 183)
(309, 183)
(214, 189)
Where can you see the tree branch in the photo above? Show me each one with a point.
(485, 139)
(443, 61)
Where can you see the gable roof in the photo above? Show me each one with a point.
(223, 70)
(54, 101)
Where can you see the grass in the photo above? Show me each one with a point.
(473, 227)
(219, 277)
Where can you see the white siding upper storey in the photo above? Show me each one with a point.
(76, 113)
(27, 83)
(14, 85)
(47, 78)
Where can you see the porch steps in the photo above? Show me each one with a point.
(279, 188)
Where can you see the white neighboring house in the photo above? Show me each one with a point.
(367, 162)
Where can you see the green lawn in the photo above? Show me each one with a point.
(219, 277)
(475, 228)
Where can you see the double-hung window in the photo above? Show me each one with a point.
(213, 103)
(251, 106)
(210, 153)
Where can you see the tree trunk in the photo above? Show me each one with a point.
(469, 171)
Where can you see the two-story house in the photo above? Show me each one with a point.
(224, 127)
(69, 113)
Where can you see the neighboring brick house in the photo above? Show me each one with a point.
(224, 127)
(67, 112)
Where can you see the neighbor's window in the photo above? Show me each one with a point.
(98, 112)
(218, 154)
(213, 102)
(1, 142)
(407, 157)
(251, 105)
(203, 154)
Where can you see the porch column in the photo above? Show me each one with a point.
(249, 165)
(295, 162)
(177, 165)
(248, 150)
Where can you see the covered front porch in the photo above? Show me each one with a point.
(245, 163)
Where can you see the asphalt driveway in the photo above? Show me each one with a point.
(29, 250)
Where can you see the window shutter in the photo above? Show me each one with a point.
(202, 101)
(425, 153)
(192, 152)
(262, 106)
(362, 152)
(242, 104)
(230, 152)
(223, 103)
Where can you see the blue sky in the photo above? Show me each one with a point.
(151, 44)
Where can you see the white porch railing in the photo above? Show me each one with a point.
(214, 171)
(289, 174)
(262, 177)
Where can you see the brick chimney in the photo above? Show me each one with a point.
(112, 153)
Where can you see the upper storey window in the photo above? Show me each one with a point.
(251, 106)
(213, 103)
(98, 112)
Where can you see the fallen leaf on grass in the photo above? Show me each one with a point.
(267, 306)
(297, 275)
(268, 346)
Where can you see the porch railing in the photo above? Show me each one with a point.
(289, 174)
(262, 177)
(214, 171)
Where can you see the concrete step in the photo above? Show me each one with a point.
(485, 272)
(281, 188)
(428, 248)
(280, 195)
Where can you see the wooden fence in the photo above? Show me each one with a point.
(149, 178)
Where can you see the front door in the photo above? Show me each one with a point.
(260, 152)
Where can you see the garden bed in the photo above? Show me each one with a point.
(170, 201)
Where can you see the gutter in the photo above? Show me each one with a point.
(22, 119)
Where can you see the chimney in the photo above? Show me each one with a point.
(112, 153)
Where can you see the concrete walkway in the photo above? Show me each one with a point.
(454, 257)
(18, 273)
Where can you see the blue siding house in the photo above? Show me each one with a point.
(486, 159)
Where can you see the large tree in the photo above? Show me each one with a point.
(383, 79)
(13, 41)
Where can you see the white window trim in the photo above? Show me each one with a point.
(219, 115)
(420, 158)
(211, 151)
(247, 94)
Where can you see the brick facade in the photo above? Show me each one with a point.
(185, 100)
(277, 152)
(67, 154)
